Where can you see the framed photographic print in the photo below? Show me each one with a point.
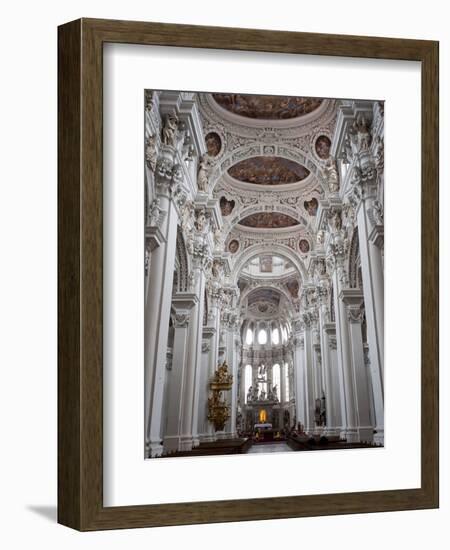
(238, 338)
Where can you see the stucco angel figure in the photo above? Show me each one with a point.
(154, 213)
(218, 239)
(203, 174)
(169, 130)
(217, 270)
(335, 220)
(201, 221)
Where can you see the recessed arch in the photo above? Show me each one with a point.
(265, 286)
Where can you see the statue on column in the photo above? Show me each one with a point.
(361, 134)
(335, 220)
(203, 174)
(331, 175)
(201, 222)
(169, 130)
(218, 240)
(250, 394)
(151, 154)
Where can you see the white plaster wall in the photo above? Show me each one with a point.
(28, 274)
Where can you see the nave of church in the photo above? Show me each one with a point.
(264, 274)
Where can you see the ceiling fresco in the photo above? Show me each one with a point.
(268, 171)
(311, 206)
(267, 107)
(266, 264)
(264, 295)
(226, 206)
(293, 288)
(268, 220)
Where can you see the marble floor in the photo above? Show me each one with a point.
(280, 447)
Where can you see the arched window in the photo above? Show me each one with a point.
(286, 382)
(284, 334)
(249, 337)
(247, 379)
(276, 378)
(275, 337)
(262, 336)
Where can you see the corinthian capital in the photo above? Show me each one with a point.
(215, 292)
(355, 315)
(309, 319)
(181, 319)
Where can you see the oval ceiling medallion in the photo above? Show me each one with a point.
(268, 220)
(213, 144)
(233, 247)
(268, 171)
(303, 246)
(323, 146)
(267, 107)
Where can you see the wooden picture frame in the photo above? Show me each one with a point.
(80, 272)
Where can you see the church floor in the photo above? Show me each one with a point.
(280, 447)
(247, 446)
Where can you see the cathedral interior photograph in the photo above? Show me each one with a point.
(264, 274)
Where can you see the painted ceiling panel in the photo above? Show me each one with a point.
(268, 220)
(267, 107)
(268, 171)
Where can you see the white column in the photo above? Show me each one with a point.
(234, 388)
(353, 299)
(330, 408)
(373, 287)
(333, 387)
(308, 373)
(336, 260)
(213, 329)
(350, 432)
(232, 361)
(204, 426)
(157, 309)
(182, 306)
(317, 362)
(190, 416)
(299, 376)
